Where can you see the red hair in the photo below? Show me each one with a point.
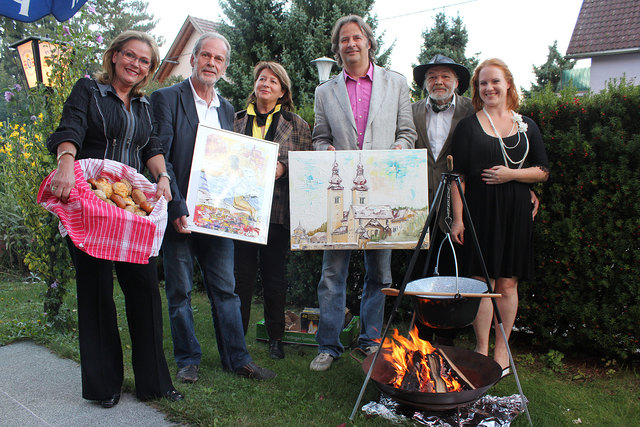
(513, 100)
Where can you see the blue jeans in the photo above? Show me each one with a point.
(332, 292)
(215, 257)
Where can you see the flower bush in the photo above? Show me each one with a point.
(25, 162)
(587, 233)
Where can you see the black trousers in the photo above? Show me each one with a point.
(100, 348)
(272, 261)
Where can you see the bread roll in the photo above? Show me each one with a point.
(128, 184)
(121, 189)
(118, 200)
(138, 196)
(105, 186)
(146, 206)
(100, 194)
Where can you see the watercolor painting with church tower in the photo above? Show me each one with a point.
(373, 199)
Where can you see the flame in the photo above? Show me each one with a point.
(400, 352)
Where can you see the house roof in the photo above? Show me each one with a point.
(191, 25)
(606, 27)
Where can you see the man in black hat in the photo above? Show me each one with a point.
(435, 118)
(437, 115)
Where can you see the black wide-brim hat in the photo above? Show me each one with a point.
(461, 71)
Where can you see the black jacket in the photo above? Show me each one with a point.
(93, 118)
(177, 124)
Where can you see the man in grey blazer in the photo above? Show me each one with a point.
(177, 111)
(365, 107)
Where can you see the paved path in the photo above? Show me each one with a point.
(37, 388)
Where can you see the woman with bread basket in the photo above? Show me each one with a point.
(110, 118)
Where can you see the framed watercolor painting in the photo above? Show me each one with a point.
(231, 185)
(373, 199)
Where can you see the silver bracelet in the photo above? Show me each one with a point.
(161, 174)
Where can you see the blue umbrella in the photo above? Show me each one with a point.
(32, 10)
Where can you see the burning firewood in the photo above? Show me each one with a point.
(435, 368)
(421, 367)
(456, 369)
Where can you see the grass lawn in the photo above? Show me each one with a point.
(560, 393)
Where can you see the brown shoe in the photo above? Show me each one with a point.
(255, 372)
(188, 374)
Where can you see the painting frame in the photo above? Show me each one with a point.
(231, 185)
(358, 199)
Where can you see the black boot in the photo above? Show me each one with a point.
(276, 349)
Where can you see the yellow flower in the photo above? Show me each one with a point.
(40, 116)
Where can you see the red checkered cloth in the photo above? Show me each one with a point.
(102, 230)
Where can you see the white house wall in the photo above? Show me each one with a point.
(183, 69)
(608, 67)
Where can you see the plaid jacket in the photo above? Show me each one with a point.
(293, 134)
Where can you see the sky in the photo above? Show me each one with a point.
(516, 31)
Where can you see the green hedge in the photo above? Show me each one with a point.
(586, 296)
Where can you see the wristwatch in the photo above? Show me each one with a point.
(161, 174)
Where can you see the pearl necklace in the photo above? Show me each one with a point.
(503, 146)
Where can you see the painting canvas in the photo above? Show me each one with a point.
(231, 185)
(374, 199)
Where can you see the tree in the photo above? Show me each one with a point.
(448, 38)
(550, 72)
(109, 18)
(317, 17)
(33, 115)
(116, 16)
(294, 37)
(253, 37)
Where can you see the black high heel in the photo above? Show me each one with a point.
(173, 395)
(111, 402)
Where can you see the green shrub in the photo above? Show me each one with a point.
(25, 162)
(586, 295)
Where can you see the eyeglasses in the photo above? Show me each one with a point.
(131, 57)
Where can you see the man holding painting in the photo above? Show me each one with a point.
(365, 107)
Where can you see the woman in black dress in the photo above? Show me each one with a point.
(109, 117)
(498, 153)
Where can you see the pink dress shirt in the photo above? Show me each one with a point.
(359, 92)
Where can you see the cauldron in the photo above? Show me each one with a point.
(446, 312)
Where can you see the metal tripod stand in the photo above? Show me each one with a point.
(432, 219)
